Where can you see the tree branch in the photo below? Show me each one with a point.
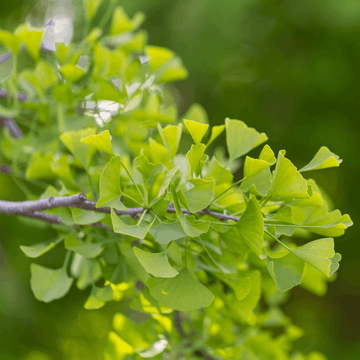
(4, 95)
(5, 169)
(10, 123)
(79, 201)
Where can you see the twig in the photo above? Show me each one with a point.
(4, 57)
(10, 123)
(79, 201)
(5, 169)
(4, 94)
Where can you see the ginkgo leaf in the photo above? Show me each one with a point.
(49, 284)
(167, 180)
(287, 182)
(245, 307)
(121, 227)
(159, 153)
(286, 271)
(166, 232)
(249, 229)
(85, 217)
(198, 197)
(335, 263)
(91, 7)
(32, 38)
(170, 136)
(182, 292)
(156, 264)
(147, 304)
(71, 72)
(100, 142)
(323, 159)
(98, 297)
(84, 153)
(254, 166)
(194, 156)
(328, 224)
(318, 254)
(193, 230)
(36, 250)
(197, 113)
(196, 130)
(86, 249)
(240, 139)
(110, 190)
(216, 131)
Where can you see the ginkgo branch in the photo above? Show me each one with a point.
(79, 201)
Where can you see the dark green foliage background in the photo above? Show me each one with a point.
(287, 68)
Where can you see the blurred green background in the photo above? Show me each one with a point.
(289, 69)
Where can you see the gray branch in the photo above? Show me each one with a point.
(4, 95)
(33, 209)
(10, 123)
(5, 169)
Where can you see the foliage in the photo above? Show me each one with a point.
(200, 262)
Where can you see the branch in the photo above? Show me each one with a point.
(4, 57)
(10, 123)
(5, 169)
(79, 201)
(4, 95)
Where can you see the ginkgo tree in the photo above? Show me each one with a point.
(91, 136)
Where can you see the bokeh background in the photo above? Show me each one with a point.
(288, 68)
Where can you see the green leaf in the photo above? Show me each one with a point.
(245, 307)
(72, 140)
(170, 136)
(255, 166)
(159, 153)
(32, 39)
(98, 297)
(323, 159)
(249, 229)
(86, 249)
(196, 130)
(121, 22)
(216, 131)
(335, 263)
(193, 157)
(182, 292)
(192, 230)
(240, 139)
(166, 66)
(147, 304)
(166, 232)
(167, 180)
(197, 113)
(110, 190)
(117, 348)
(198, 197)
(287, 182)
(327, 224)
(91, 7)
(71, 72)
(11, 41)
(85, 217)
(156, 264)
(137, 271)
(8, 112)
(286, 271)
(100, 142)
(48, 284)
(36, 250)
(318, 254)
(132, 230)
(39, 166)
(105, 90)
